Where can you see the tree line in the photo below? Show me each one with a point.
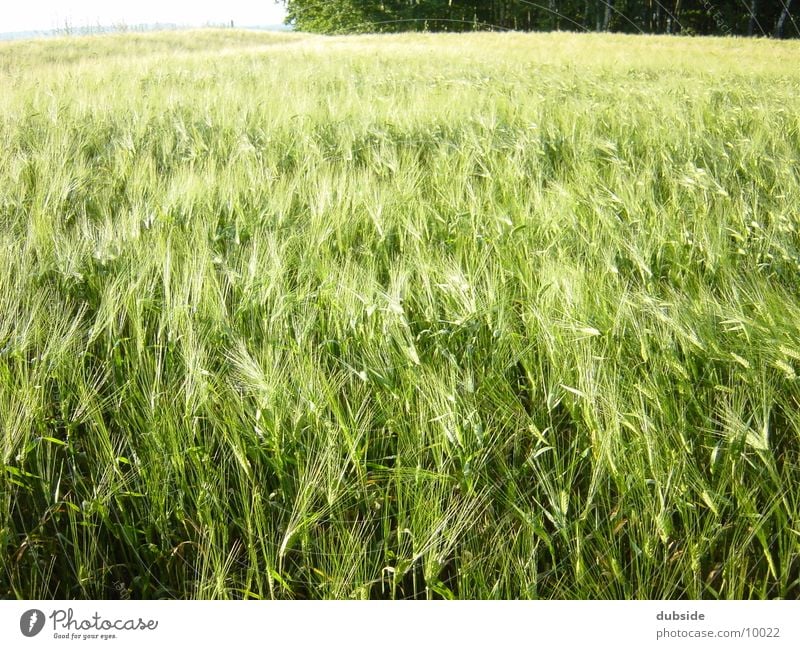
(772, 18)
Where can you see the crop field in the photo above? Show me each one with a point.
(477, 316)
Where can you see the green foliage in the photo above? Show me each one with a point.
(633, 16)
(476, 316)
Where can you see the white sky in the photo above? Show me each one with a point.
(23, 15)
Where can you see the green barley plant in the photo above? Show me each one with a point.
(471, 316)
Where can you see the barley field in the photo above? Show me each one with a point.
(477, 316)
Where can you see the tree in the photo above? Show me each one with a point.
(744, 17)
(782, 20)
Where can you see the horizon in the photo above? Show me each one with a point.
(78, 15)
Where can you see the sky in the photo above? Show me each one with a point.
(31, 15)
